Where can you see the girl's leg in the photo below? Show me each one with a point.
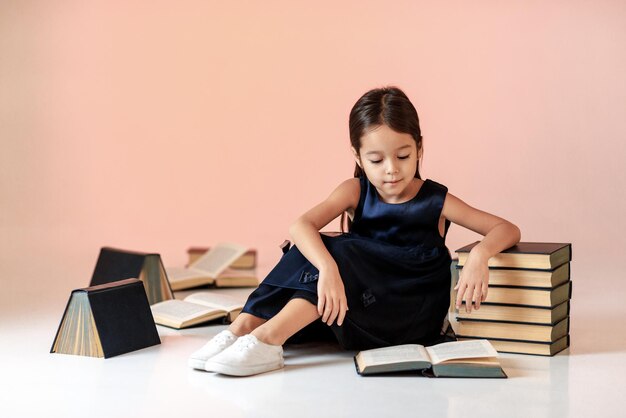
(245, 323)
(262, 351)
(296, 314)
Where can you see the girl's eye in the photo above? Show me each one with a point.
(404, 157)
(376, 161)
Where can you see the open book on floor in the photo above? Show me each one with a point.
(206, 269)
(248, 260)
(197, 308)
(475, 358)
(106, 320)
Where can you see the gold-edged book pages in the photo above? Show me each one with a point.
(155, 280)
(78, 333)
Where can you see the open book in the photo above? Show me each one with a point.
(206, 269)
(116, 264)
(475, 358)
(106, 320)
(195, 309)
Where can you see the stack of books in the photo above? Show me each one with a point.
(224, 265)
(528, 303)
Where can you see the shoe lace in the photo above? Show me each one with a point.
(222, 339)
(245, 343)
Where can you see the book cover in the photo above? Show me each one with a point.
(528, 296)
(516, 314)
(530, 255)
(548, 349)
(499, 276)
(511, 331)
(116, 264)
(106, 320)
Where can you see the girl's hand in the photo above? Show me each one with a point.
(473, 282)
(332, 303)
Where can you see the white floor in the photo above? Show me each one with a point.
(319, 380)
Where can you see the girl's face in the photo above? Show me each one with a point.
(389, 160)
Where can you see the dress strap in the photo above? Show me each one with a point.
(437, 193)
(359, 208)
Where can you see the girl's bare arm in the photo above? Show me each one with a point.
(499, 234)
(332, 303)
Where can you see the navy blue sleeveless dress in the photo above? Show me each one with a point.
(395, 268)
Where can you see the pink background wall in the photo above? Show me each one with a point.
(155, 125)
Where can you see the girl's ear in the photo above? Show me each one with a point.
(356, 157)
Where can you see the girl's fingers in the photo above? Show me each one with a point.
(334, 313)
(342, 313)
(477, 297)
(320, 305)
(333, 310)
(459, 296)
(327, 310)
(459, 280)
(469, 293)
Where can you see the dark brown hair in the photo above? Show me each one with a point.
(383, 106)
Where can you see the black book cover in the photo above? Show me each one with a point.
(545, 248)
(114, 265)
(122, 317)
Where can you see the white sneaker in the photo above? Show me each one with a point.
(215, 346)
(246, 357)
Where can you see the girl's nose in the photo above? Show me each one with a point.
(391, 168)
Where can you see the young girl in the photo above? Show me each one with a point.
(386, 281)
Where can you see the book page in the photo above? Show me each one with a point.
(175, 274)
(214, 261)
(395, 354)
(230, 272)
(180, 310)
(215, 300)
(461, 349)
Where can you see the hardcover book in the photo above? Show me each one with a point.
(246, 261)
(529, 347)
(208, 268)
(529, 296)
(183, 278)
(511, 331)
(115, 264)
(528, 278)
(454, 276)
(524, 314)
(475, 358)
(106, 320)
(526, 255)
(197, 308)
